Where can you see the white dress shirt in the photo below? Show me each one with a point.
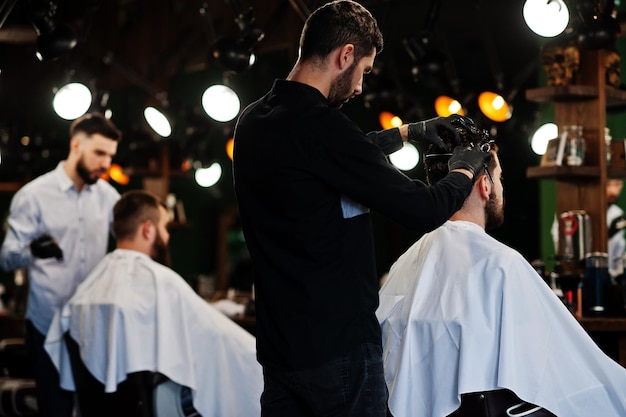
(133, 314)
(617, 242)
(462, 312)
(80, 222)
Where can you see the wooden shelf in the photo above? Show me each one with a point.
(564, 172)
(562, 93)
(615, 98)
(616, 173)
(572, 173)
(7, 187)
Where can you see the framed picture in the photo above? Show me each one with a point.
(554, 152)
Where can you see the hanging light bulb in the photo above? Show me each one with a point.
(230, 146)
(406, 158)
(446, 106)
(207, 177)
(72, 101)
(117, 174)
(221, 103)
(547, 18)
(494, 106)
(157, 121)
(541, 137)
(388, 120)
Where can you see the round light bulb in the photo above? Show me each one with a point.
(541, 137)
(206, 177)
(157, 121)
(405, 158)
(72, 101)
(220, 103)
(547, 18)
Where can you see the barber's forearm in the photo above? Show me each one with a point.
(15, 256)
(388, 140)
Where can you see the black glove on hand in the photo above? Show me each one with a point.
(617, 225)
(46, 247)
(430, 130)
(471, 159)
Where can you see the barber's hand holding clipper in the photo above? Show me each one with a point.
(469, 158)
(429, 131)
(46, 247)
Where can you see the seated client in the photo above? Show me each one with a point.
(134, 314)
(470, 329)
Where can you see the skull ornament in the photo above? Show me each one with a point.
(560, 62)
(612, 62)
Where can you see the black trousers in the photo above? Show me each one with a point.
(495, 404)
(52, 401)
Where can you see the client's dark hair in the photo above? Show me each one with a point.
(436, 160)
(132, 210)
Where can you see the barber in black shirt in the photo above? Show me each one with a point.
(306, 178)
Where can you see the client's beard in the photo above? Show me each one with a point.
(494, 212)
(160, 251)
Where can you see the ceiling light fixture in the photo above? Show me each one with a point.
(547, 18)
(388, 120)
(446, 106)
(53, 39)
(207, 177)
(406, 158)
(157, 121)
(238, 54)
(494, 106)
(72, 100)
(541, 137)
(221, 103)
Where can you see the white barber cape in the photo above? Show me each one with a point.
(460, 312)
(132, 314)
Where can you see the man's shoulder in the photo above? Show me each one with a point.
(105, 188)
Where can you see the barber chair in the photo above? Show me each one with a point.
(14, 359)
(497, 403)
(142, 394)
(17, 386)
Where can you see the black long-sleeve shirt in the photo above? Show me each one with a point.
(305, 179)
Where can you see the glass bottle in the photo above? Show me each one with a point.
(575, 146)
(607, 142)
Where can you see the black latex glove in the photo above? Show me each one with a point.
(617, 225)
(471, 159)
(430, 130)
(46, 247)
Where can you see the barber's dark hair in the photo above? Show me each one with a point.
(336, 24)
(436, 160)
(133, 209)
(95, 123)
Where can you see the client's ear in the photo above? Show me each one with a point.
(148, 230)
(484, 186)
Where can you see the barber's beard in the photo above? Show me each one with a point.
(494, 212)
(341, 89)
(160, 251)
(87, 176)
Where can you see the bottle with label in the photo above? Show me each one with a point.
(575, 145)
(607, 141)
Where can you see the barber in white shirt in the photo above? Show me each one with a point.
(59, 227)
